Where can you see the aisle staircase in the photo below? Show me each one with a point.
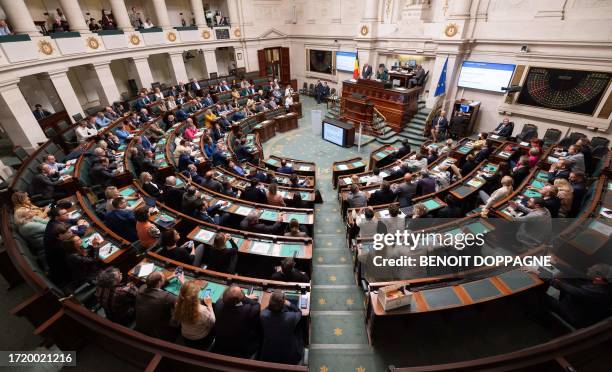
(339, 341)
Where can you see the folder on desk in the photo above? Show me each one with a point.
(342, 167)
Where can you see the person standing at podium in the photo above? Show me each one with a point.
(366, 72)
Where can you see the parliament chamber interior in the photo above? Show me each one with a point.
(306, 185)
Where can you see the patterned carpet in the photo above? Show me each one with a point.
(338, 335)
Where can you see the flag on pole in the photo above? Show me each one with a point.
(356, 68)
(441, 87)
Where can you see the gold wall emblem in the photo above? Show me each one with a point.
(451, 30)
(237, 32)
(206, 34)
(171, 36)
(364, 30)
(134, 39)
(45, 47)
(93, 43)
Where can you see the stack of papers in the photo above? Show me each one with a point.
(204, 236)
(260, 247)
(145, 270)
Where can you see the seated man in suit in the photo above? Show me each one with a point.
(282, 340)
(180, 114)
(439, 124)
(44, 183)
(520, 171)
(242, 151)
(505, 128)
(561, 169)
(405, 191)
(210, 183)
(154, 309)
(254, 194)
(403, 150)
(100, 173)
(39, 112)
(288, 272)
(237, 327)
(194, 86)
(192, 172)
(382, 74)
(426, 185)
(419, 73)
(207, 101)
(172, 195)
(252, 223)
(384, 195)
(122, 220)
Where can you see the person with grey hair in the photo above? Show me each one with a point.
(252, 223)
(172, 196)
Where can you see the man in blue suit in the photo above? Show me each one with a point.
(208, 101)
(505, 128)
(142, 102)
(439, 124)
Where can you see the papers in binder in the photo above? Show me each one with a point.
(146, 269)
(243, 211)
(260, 247)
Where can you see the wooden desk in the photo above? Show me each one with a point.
(304, 168)
(287, 122)
(346, 167)
(265, 130)
(398, 106)
(296, 108)
(404, 78)
(381, 156)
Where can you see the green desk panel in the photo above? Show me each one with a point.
(516, 280)
(287, 250)
(301, 218)
(441, 297)
(481, 290)
(431, 204)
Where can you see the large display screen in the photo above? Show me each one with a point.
(320, 61)
(333, 134)
(345, 61)
(485, 76)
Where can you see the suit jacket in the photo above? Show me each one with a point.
(443, 122)
(261, 228)
(282, 339)
(426, 186)
(142, 103)
(212, 184)
(380, 197)
(152, 189)
(405, 193)
(100, 175)
(255, 195)
(505, 130)
(122, 222)
(366, 72)
(237, 328)
(293, 276)
(43, 185)
(208, 101)
(154, 312)
(553, 204)
(519, 175)
(220, 260)
(173, 197)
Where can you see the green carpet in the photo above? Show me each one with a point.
(337, 312)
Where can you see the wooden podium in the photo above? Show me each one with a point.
(397, 105)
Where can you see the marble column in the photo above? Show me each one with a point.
(370, 11)
(17, 119)
(144, 77)
(19, 17)
(234, 13)
(74, 16)
(198, 13)
(106, 87)
(64, 90)
(121, 15)
(161, 13)
(177, 68)
(210, 59)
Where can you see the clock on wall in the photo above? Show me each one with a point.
(171, 36)
(93, 43)
(451, 30)
(206, 34)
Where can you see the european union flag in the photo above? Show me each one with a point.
(441, 88)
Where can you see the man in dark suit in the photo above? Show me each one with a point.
(439, 124)
(484, 153)
(284, 168)
(366, 72)
(505, 128)
(425, 185)
(254, 194)
(237, 326)
(251, 223)
(551, 201)
(207, 101)
(192, 171)
(172, 195)
(194, 86)
(384, 195)
(403, 150)
(154, 309)
(40, 113)
(122, 220)
(288, 272)
(282, 339)
(419, 72)
(319, 91)
(406, 191)
(44, 183)
(210, 183)
(100, 173)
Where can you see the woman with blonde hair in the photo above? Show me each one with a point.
(274, 198)
(170, 103)
(197, 319)
(504, 191)
(32, 228)
(159, 96)
(21, 200)
(565, 195)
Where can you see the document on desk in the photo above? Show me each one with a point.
(243, 211)
(601, 228)
(145, 270)
(260, 247)
(204, 236)
(342, 167)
